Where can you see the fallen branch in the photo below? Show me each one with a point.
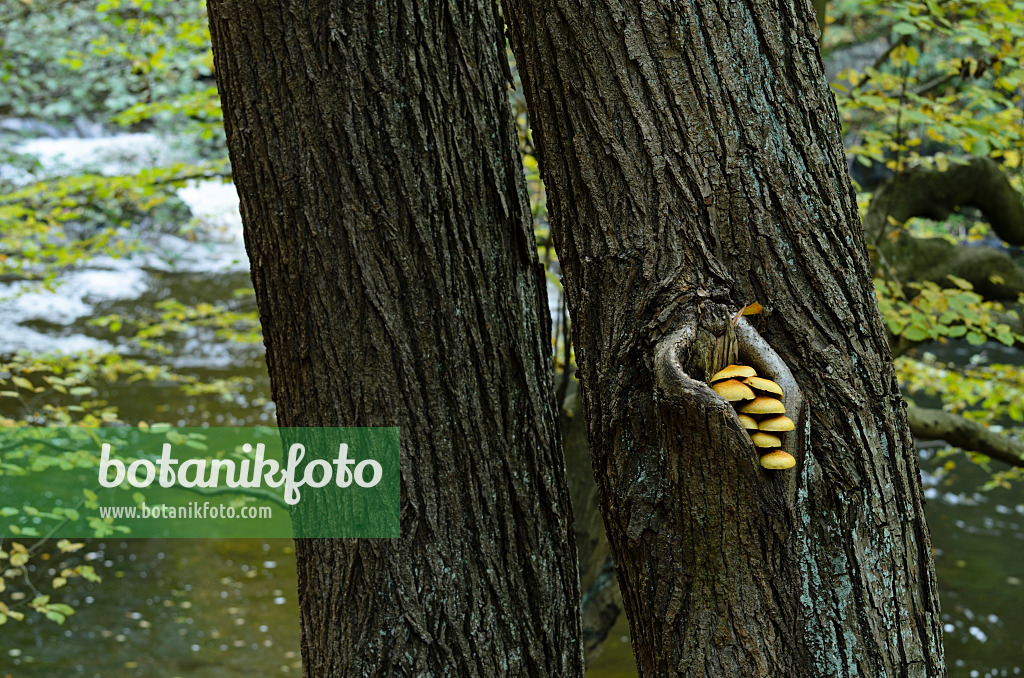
(932, 194)
(966, 434)
(992, 273)
(928, 193)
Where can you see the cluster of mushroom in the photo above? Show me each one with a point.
(757, 402)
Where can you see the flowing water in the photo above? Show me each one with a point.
(222, 608)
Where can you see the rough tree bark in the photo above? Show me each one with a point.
(397, 280)
(693, 163)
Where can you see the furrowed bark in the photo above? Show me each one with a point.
(693, 163)
(397, 280)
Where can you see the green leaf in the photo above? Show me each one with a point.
(915, 333)
(980, 148)
(975, 338)
(22, 382)
(1015, 411)
(961, 283)
(88, 573)
(904, 28)
(896, 325)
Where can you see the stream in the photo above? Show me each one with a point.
(224, 608)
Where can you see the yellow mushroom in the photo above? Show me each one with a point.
(777, 460)
(777, 423)
(761, 384)
(733, 390)
(748, 422)
(764, 405)
(733, 371)
(765, 439)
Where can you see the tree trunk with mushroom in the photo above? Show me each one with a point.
(692, 158)
(396, 273)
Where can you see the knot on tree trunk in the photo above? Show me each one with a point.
(709, 545)
(673, 381)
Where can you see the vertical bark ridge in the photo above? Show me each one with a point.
(392, 254)
(692, 157)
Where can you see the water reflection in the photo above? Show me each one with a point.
(201, 607)
(979, 548)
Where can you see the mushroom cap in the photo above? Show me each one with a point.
(778, 460)
(733, 390)
(733, 371)
(764, 405)
(748, 422)
(762, 384)
(765, 439)
(777, 423)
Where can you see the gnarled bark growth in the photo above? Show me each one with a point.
(692, 159)
(928, 193)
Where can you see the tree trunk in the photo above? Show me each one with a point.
(397, 280)
(692, 159)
